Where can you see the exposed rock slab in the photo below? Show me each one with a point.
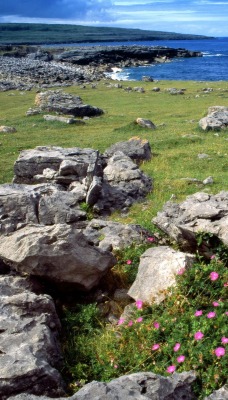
(65, 120)
(145, 123)
(157, 272)
(135, 148)
(65, 103)
(113, 235)
(139, 386)
(74, 162)
(221, 394)
(29, 346)
(200, 212)
(58, 253)
(216, 119)
(123, 184)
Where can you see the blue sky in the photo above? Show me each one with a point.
(208, 17)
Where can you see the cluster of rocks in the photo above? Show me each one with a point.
(43, 69)
(216, 119)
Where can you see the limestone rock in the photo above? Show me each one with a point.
(58, 253)
(138, 386)
(65, 120)
(65, 161)
(7, 129)
(114, 235)
(135, 148)
(157, 272)
(65, 103)
(30, 352)
(220, 394)
(145, 123)
(123, 184)
(216, 119)
(200, 212)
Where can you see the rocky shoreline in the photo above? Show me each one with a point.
(41, 68)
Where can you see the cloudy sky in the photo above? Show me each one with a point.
(208, 17)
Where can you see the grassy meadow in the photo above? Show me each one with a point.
(188, 331)
(175, 143)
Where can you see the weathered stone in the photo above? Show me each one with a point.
(39, 204)
(30, 352)
(145, 123)
(220, 394)
(59, 253)
(200, 212)
(113, 235)
(135, 148)
(216, 119)
(80, 163)
(7, 129)
(139, 386)
(208, 181)
(175, 91)
(123, 184)
(65, 103)
(63, 119)
(157, 272)
(156, 89)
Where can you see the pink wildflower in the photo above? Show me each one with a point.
(224, 340)
(213, 256)
(130, 323)
(225, 284)
(181, 271)
(139, 304)
(128, 262)
(171, 369)
(211, 314)
(139, 319)
(180, 359)
(198, 313)
(198, 335)
(156, 325)
(150, 239)
(121, 321)
(155, 346)
(177, 347)
(214, 276)
(226, 312)
(220, 351)
(115, 366)
(215, 304)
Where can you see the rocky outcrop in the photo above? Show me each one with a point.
(65, 120)
(119, 55)
(105, 184)
(137, 149)
(220, 394)
(145, 123)
(30, 352)
(216, 119)
(157, 272)
(65, 103)
(7, 129)
(139, 386)
(199, 213)
(58, 253)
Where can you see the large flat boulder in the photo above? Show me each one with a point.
(137, 149)
(65, 103)
(139, 386)
(58, 253)
(157, 272)
(30, 351)
(199, 213)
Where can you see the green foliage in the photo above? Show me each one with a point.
(23, 33)
(128, 260)
(171, 326)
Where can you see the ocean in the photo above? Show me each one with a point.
(213, 66)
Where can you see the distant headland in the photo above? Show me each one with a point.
(25, 33)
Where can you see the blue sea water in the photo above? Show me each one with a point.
(213, 66)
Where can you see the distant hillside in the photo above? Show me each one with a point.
(11, 33)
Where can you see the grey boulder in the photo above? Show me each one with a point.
(138, 386)
(58, 253)
(30, 351)
(216, 119)
(157, 272)
(137, 149)
(199, 213)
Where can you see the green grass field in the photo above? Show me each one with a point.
(175, 143)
